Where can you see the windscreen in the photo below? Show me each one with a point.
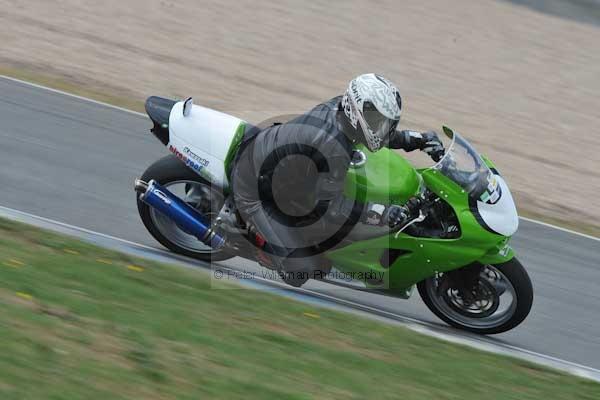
(463, 165)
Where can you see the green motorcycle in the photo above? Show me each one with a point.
(456, 252)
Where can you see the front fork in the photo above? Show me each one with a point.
(462, 279)
(467, 278)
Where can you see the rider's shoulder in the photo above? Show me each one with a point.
(325, 111)
(330, 105)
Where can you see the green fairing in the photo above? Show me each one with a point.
(424, 256)
(386, 178)
(233, 148)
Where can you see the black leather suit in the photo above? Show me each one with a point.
(288, 182)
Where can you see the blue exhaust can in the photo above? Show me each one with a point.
(182, 214)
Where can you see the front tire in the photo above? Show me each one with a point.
(196, 191)
(494, 314)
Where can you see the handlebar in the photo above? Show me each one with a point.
(423, 202)
(420, 218)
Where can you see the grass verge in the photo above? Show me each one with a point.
(97, 93)
(81, 322)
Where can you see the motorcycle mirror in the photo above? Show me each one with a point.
(449, 132)
(187, 106)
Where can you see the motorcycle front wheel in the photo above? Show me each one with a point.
(195, 191)
(500, 299)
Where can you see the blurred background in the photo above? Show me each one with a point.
(520, 78)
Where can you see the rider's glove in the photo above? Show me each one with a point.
(392, 216)
(379, 215)
(431, 144)
(396, 215)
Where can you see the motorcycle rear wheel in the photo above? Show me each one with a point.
(489, 314)
(196, 191)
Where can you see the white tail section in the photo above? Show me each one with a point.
(202, 138)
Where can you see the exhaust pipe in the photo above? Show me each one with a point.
(183, 215)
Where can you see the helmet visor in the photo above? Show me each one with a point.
(379, 124)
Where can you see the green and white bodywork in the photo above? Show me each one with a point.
(485, 226)
(205, 140)
(208, 140)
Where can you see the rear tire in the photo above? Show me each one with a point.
(516, 275)
(164, 171)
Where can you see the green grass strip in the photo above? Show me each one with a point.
(81, 322)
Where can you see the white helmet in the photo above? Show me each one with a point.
(372, 106)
